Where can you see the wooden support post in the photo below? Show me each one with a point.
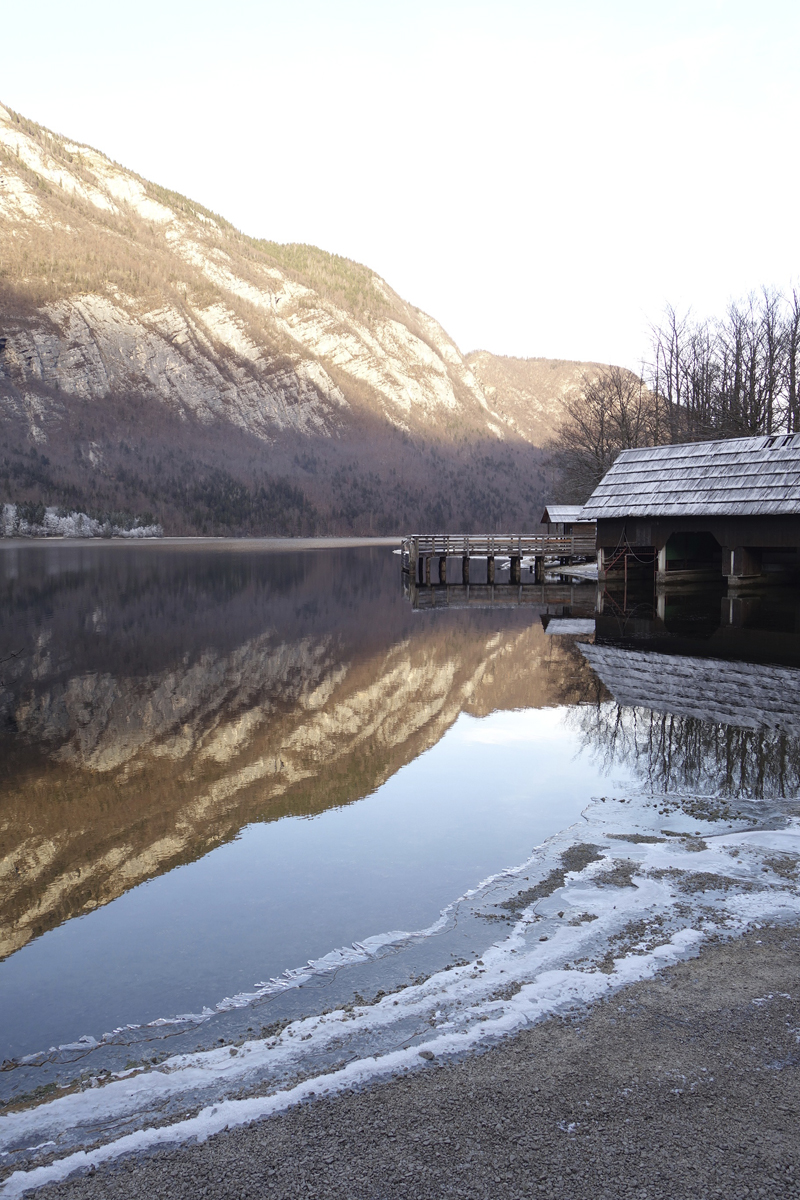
(515, 568)
(420, 569)
(490, 568)
(465, 568)
(427, 570)
(443, 568)
(538, 568)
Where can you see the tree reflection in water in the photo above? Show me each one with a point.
(678, 753)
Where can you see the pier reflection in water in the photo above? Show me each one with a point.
(172, 717)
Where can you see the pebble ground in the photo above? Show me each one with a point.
(684, 1086)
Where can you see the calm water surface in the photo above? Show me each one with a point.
(218, 763)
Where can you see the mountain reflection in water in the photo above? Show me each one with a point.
(155, 700)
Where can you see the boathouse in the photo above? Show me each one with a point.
(701, 511)
(562, 520)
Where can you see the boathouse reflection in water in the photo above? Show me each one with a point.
(706, 689)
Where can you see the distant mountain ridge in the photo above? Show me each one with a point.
(528, 393)
(157, 360)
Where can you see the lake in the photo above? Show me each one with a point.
(224, 762)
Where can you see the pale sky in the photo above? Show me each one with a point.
(540, 177)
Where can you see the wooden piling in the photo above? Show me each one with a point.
(516, 569)
(443, 568)
(490, 568)
(465, 569)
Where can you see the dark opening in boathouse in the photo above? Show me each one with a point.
(701, 511)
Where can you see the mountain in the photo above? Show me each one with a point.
(528, 393)
(158, 361)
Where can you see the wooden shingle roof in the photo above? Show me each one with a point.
(738, 477)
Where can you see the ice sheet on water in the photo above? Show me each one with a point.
(605, 903)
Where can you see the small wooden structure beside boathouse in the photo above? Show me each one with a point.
(564, 520)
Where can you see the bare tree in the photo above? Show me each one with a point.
(731, 377)
(734, 377)
(671, 342)
(792, 363)
(613, 412)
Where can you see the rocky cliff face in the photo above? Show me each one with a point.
(205, 320)
(156, 357)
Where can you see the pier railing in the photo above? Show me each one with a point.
(491, 545)
(479, 545)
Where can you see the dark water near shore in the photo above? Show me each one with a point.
(215, 766)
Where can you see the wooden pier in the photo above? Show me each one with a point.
(418, 551)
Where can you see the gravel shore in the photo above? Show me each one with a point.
(683, 1086)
